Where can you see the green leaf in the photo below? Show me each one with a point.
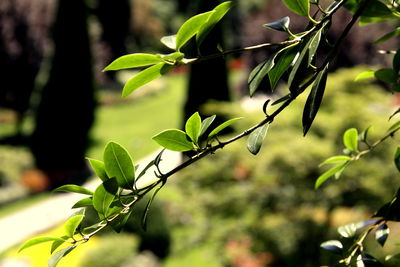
(119, 223)
(314, 100)
(214, 18)
(366, 260)
(39, 240)
(386, 75)
(382, 233)
(396, 62)
(74, 189)
(174, 139)
(332, 171)
(134, 61)
(282, 65)
(256, 139)
(144, 77)
(279, 25)
(84, 202)
(104, 195)
(118, 163)
(314, 44)
(205, 124)
(55, 259)
(169, 41)
(190, 28)
(57, 243)
(334, 246)
(365, 75)
(300, 7)
(363, 136)
(72, 224)
(335, 159)
(397, 158)
(388, 36)
(350, 139)
(221, 127)
(99, 169)
(173, 58)
(147, 208)
(282, 99)
(193, 127)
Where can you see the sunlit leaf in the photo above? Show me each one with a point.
(334, 246)
(144, 77)
(222, 126)
(104, 195)
(134, 61)
(174, 139)
(99, 169)
(72, 224)
(382, 233)
(205, 124)
(365, 75)
(348, 230)
(74, 189)
(363, 136)
(350, 139)
(300, 7)
(282, 65)
(256, 139)
(169, 41)
(55, 259)
(39, 240)
(57, 243)
(85, 202)
(335, 159)
(118, 163)
(367, 260)
(193, 127)
(332, 171)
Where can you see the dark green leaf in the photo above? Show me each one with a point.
(57, 243)
(221, 127)
(144, 77)
(382, 233)
(396, 62)
(119, 223)
(215, 17)
(332, 171)
(104, 195)
(300, 7)
(193, 127)
(363, 136)
(350, 139)
(386, 75)
(39, 240)
(334, 246)
(314, 100)
(74, 189)
(366, 260)
(118, 163)
(55, 259)
(72, 224)
(169, 41)
(85, 202)
(279, 25)
(282, 65)
(282, 99)
(205, 124)
(99, 169)
(174, 139)
(314, 44)
(397, 158)
(365, 75)
(134, 61)
(148, 205)
(374, 8)
(394, 126)
(190, 28)
(388, 36)
(335, 159)
(256, 139)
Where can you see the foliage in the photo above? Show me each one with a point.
(121, 189)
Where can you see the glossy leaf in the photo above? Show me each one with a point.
(348, 230)
(169, 41)
(72, 224)
(193, 127)
(84, 202)
(363, 136)
(174, 139)
(104, 195)
(74, 189)
(332, 171)
(386, 75)
(300, 7)
(172, 58)
(350, 139)
(314, 100)
(334, 246)
(382, 233)
(39, 240)
(335, 159)
(279, 25)
(134, 61)
(256, 139)
(282, 65)
(217, 14)
(397, 158)
(206, 123)
(367, 260)
(99, 169)
(190, 28)
(388, 36)
(365, 75)
(222, 126)
(57, 243)
(314, 44)
(118, 163)
(55, 259)
(144, 77)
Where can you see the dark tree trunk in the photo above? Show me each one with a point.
(66, 110)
